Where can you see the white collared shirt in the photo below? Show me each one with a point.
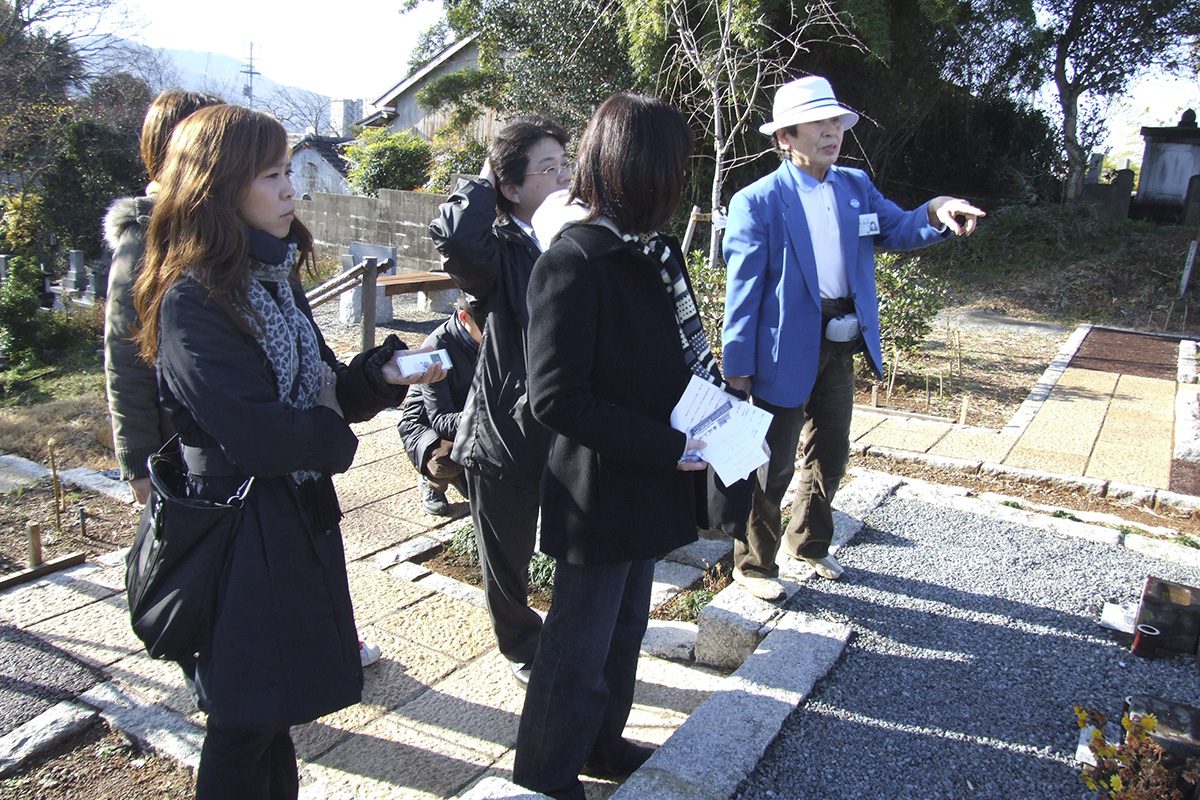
(820, 211)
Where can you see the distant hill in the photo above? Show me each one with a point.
(298, 108)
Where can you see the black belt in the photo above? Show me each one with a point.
(836, 307)
(208, 461)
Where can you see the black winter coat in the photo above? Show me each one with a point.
(432, 411)
(606, 367)
(492, 261)
(284, 646)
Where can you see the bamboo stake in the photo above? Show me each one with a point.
(58, 492)
(33, 532)
(895, 366)
(928, 396)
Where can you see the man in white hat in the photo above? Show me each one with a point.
(800, 301)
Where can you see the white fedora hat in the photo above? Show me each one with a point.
(806, 100)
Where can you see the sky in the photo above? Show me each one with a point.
(351, 49)
(360, 49)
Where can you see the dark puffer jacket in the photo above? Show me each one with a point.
(491, 260)
(139, 426)
(432, 411)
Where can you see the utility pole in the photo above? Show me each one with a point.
(249, 72)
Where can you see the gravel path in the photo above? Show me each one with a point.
(973, 640)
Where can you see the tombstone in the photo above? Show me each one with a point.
(97, 281)
(1191, 203)
(1122, 195)
(1095, 164)
(350, 303)
(75, 282)
(3, 267)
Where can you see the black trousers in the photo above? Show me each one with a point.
(505, 514)
(248, 765)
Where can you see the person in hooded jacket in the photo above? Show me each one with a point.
(484, 236)
(253, 390)
(139, 426)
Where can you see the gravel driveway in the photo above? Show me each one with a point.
(973, 639)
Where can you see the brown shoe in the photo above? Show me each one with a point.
(763, 588)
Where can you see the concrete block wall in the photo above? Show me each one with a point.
(399, 219)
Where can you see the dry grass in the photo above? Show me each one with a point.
(79, 426)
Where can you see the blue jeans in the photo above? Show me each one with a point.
(581, 688)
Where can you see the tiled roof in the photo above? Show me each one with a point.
(329, 148)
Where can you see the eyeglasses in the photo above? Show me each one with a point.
(554, 172)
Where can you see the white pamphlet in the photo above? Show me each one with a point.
(733, 430)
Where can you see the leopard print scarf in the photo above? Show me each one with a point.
(286, 336)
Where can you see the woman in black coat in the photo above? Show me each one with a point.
(613, 345)
(253, 390)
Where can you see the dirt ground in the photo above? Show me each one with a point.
(992, 367)
(99, 764)
(107, 524)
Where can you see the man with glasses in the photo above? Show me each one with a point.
(486, 242)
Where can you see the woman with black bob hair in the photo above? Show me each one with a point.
(253, 390)
(613, 300)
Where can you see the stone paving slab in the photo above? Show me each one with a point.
(366, 532)
(476, 707)
(404, 672)
(60, 721)
(1136, 440)
(377, 594)
(98, 634)
(154, 681)
(1060, 438)
(388, 758)
(722, 741)
(426, 623)
(863, 421)
(16, 472)
(906, 433)
(157, 728)
(49, 597)
(975, 444)
(35, 675)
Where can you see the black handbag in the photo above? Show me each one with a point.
(174, 567)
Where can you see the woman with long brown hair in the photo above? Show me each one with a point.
(253, 391)
(615, 341)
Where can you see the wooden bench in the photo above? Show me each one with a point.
(410, 282)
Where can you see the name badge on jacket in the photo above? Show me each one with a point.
(868, 224)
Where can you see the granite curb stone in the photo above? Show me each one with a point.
(56, 724)
(94, 481)
(162, 731)
(1045, 384)
(702, 760)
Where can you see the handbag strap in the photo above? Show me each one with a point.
(209, 462)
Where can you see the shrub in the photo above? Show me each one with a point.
(382, 160)
(908, 301)
(454, 156)
(31, 335)
(23, 223)
(462, 544)
(708, 283)
(541, 574)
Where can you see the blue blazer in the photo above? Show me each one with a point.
(773, 300)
